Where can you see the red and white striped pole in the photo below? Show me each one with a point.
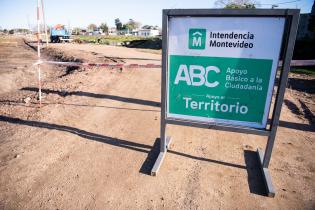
(44, 21)
(38, 54)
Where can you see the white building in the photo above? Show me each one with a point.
(148, 32)
(112, 31)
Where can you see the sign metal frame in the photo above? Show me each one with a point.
(288, 40)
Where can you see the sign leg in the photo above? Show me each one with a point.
(162, 136)
(164, 145)
(266, 175)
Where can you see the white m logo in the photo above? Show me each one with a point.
(196, 40)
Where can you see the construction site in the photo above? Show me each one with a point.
(82, 132)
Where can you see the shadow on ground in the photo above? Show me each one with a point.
(255, 177)
(293, 107)
(303, 112)
(308, 114)
(251, 159)
(302, 85)
(131, 58)
(96, 95)
(82, 133)
(34, 105)
(285, 124)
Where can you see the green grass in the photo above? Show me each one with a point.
(107, 39)
(304, 70)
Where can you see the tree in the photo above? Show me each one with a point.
(311, 23)
(104, 27)
(147, 27)
(22, 30)
(92, 27)
(150, 27)
(131, 24)
(76, 31)
(118, 24)
(237, 4)
(11, 31)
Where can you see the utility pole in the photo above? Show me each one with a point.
(44, 20)
(38, 54)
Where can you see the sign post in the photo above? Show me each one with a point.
(219, 70)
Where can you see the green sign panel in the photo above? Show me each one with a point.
(218, 87)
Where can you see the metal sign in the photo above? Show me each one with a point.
(222, 69)
(219, 68)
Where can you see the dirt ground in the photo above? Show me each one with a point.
(94, 140)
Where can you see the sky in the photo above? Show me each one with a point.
(80, 13)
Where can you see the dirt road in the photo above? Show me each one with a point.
(93, 142)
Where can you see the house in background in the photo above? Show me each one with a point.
(112, 31)
(127, 32)
(147, 31)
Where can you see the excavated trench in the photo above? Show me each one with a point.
(55, 55)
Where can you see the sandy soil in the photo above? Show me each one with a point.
(12, 67)
(93, 142)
